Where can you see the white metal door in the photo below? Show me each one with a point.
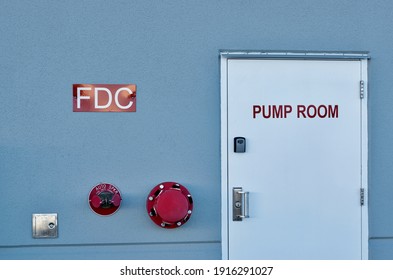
(304, 158)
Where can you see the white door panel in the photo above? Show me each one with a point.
(302, 169)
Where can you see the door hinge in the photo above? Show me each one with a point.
(361, 89)
(362, 197)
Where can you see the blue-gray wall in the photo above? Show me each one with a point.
(50, 157)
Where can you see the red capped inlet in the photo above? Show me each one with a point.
(104, 199)
(169, 205)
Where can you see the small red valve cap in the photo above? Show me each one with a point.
(95, 201)
(116, 199)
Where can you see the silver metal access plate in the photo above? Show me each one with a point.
(45, 225)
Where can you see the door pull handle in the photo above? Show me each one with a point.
(240, 205)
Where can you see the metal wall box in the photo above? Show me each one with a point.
(44, 225)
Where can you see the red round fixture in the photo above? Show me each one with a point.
(104, 199)
(169, 205)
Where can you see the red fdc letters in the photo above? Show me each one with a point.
(104, 97)
(302, 111)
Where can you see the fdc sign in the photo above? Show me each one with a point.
(104, 97)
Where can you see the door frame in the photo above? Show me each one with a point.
(225, 194)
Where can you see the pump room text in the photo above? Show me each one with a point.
(300, 111)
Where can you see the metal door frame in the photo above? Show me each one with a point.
(363, 94)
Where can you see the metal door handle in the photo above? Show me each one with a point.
(240, 204)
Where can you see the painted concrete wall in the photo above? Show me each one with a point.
(50, 157)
